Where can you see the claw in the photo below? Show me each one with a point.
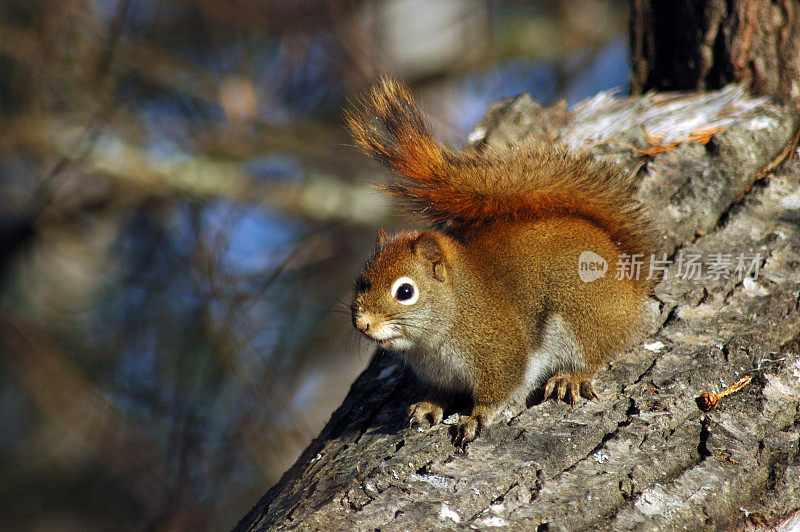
(569, 387)
(548, 388)
(468, 429)
(588, 391)
(561, 389)
(425, 411)
(572, 393)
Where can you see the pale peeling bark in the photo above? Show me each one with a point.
(643, 456)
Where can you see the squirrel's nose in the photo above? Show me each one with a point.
(361, 322)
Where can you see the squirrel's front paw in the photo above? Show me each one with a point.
(468, 429)
(569, 387)
(425, 410)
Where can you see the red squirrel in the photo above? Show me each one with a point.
(489, 301)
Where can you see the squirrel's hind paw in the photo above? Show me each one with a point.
(569, 387)
(425, 411)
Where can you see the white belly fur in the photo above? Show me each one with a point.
(445, 368)
(559, 350)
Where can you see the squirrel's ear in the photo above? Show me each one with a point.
(380, 238)
(430, 249)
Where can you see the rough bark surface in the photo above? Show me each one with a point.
(643, 456)
(706, 44)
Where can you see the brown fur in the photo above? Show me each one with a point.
(500, 298)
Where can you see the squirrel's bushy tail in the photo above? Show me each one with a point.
(391, 130)
(474, 188)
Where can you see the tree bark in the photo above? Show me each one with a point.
(643, 456)
(707, 44)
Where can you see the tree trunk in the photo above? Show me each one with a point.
(707, 44)
(644, 456)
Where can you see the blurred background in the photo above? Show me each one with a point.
(182, 217)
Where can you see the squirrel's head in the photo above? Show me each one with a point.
(404, 296)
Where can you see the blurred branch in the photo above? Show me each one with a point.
(320, 197)
(162, 69)
(68, 398)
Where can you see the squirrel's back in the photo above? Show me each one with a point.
(464, 189)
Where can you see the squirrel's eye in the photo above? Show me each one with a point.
(404, 291)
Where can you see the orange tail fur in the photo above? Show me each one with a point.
(466, 189)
